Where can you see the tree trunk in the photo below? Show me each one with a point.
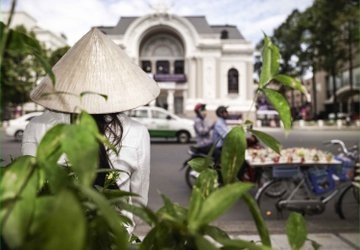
(314, 101)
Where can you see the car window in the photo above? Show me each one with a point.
(138, 113)
(156, 114)
(28, 119)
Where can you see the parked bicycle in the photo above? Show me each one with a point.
(307, 188)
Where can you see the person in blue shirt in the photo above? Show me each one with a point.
(220, 131)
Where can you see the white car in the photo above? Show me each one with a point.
(162, 123)
(15, 127)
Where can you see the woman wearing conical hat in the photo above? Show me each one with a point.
(97, 66)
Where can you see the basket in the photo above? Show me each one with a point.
(285, 171)
(346, 171)
(320, 179)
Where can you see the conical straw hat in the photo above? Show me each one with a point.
(93, 68)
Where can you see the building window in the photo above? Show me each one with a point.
(233, 81)
(162, 67)
(224, 34)
(146, 66)
(179, 67)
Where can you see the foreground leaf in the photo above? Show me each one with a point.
(199, 164)
(48, 154)
(259, 220)
(296, 230)
(219, 202)
(233, 154)
(207, 182)
(281, 105)
(271, 57)
(63, 227)
(292, 83)
(269, 141)
(195, 205)
(15, 177)
(110, 216)
(203, 243)
(17, 215)
(82, 150)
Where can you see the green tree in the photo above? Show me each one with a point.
(19, 72)
(323, 37)
(57, 54)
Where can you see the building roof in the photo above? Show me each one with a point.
(233, 31)
(199, 22)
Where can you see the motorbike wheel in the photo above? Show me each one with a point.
(190, 176)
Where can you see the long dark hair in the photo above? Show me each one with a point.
(110, 126)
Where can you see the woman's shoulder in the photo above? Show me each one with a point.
(49, 117)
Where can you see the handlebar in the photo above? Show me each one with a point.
(353, 153)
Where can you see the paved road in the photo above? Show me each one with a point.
(167, 177)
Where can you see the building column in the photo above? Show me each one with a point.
(170, 100)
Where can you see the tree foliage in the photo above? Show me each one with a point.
(19, 70)
(318, 37)
(57, 54)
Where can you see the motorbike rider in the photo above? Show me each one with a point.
(220, 131)
(202, 129)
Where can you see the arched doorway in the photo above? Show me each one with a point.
(162, 56)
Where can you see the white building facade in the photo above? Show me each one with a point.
(191, 60)
(51, 40)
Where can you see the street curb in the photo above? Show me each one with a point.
(345, 236)
(248, 227)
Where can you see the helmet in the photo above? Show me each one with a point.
(199, 107)
(220, 110)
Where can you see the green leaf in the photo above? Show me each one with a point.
(314, 244)
(64, 225)
(195, 205)
(219, 202)
(207, 182)
(114, 193)
(16, 176)
(270, 141)
(87, 122)
(19, 41)
(82, 94)
(149, 240)
(102, 139)
(2, 30)
(259, 220)
(82, 150)
(143, 212)
(199, 164)
(281, 106)
(49, 149)
(271, 57)
(110, 216)
(215, 232)
(291, 82)
(16, 216)
(296, 230)
(203, 243)
(45, 64)
(233, 154)
(17, 224)
(172, 212)
(48, 154)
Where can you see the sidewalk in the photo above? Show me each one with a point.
(342, 236)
